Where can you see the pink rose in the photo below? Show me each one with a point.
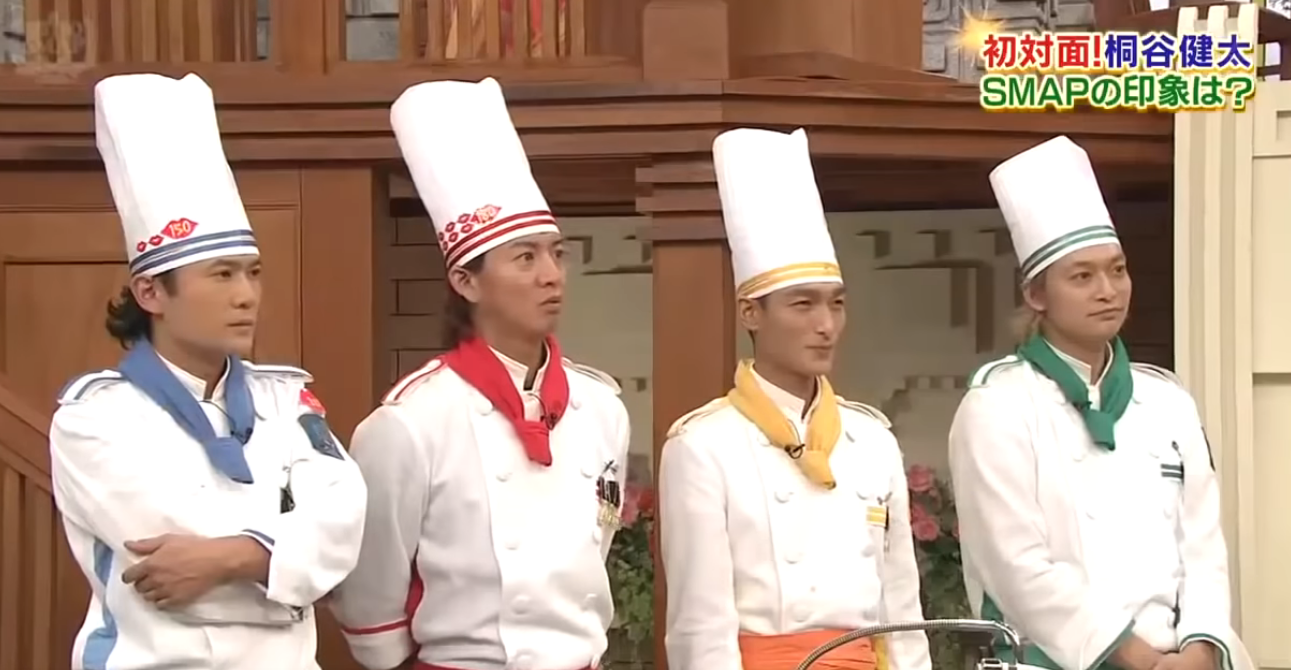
(925, 529)
(631, 505)
(646, 501)
(636, 499)
(923, 525)
(921, 478)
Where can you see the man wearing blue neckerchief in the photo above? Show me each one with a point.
(203, 496)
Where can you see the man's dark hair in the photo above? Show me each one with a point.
(127, 321)
(459, 318)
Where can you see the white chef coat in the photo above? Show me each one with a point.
(474, 557)
(751, 545)
(1077, 545)
(124, 470)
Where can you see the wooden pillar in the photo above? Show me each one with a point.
(685, 40)
(694, 308)
(307, 37)
(825, 37)
(340, 210)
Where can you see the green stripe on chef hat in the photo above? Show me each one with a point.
(1051, 202)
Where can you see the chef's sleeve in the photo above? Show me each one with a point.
(105, 486)
(372, 604)
(702, 624)
(1002, 532)
(1204, 599)
(314, 544)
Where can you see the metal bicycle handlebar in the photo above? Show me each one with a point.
(956, 625)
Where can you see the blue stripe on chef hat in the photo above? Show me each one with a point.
(194, 249)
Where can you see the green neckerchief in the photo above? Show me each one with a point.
(1115, 390)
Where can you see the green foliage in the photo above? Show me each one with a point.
(936, 548)
(631, 569)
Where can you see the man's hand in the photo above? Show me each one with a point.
(178, 569)
(1196, 656)
(1135, 654)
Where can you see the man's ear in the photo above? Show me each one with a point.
(465, 283)
(749, 313)
(149, 293)
(1033, 295)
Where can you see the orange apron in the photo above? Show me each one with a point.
(785, 652)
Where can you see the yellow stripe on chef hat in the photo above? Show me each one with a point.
(768, 281)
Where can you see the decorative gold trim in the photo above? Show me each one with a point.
(763, 282)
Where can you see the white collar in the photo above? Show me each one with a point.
(519, 372)
(793, 406)
(1082, 368)
(195, 384)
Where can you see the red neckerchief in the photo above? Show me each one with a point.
(475, 362)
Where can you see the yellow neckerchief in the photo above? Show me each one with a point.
(823, 426)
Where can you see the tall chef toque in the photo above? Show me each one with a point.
(172, 185)
(1052, 204)
(469, 167)
(774, 218)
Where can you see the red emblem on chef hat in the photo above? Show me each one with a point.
(467, 223)
(175, 230)
(308, 399)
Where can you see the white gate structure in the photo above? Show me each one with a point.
(1233, 328)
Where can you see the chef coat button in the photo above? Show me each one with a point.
(783, 496)
(1091, 513)
(484, 407)
(504, 475)
(800, 613)
(867, 551)
(520, 605)
(590, 601)
(575, 404)
(860, 493)
(523, 661)
(589, 470)
(512, 544)
(849, 437)
(793, 556)
(812, 589)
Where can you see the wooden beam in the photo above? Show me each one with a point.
(609, 122)
(337, 271)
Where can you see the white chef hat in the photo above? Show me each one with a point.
(173, 188)
(775, 221)
(469, 167)
(1052, 204)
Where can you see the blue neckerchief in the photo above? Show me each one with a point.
(142, 367)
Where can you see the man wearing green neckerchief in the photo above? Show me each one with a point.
(1088, 506)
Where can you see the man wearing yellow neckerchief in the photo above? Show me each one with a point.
(784, 508)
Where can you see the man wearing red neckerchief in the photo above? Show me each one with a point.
(495, 471)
